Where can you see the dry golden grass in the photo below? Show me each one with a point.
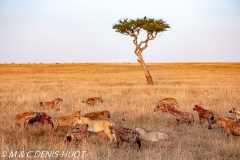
(123, 88)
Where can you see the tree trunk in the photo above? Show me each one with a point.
(146, 71)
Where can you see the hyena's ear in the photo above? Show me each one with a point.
(79, 112)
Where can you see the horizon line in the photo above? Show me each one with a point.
(112, 62)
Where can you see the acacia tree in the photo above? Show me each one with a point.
(133, 27)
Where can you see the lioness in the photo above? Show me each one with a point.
(153, 136)
(95, 125)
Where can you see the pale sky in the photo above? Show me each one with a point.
(58, 31)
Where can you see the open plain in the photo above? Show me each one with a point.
(122, 86)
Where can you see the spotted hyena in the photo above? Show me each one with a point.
(23, 118)
(125, 134)
(62, 121)
(204, 114)
(50, 105)
(231, 126)
(96, 115)
(181, 116)
(93, 101)
(77, 132)
(237, 113)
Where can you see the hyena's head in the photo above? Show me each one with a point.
(111, 129)
(158, 108)
(106, 114)
(196, 107)
(58, 100)
(76, 114)
(161, 107)
(232, 110)
(99, 99)
(85, 126)
(82, 127)
(211, 122)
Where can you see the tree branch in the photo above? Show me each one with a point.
(152, 35)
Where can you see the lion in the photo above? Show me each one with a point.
(62, 121)
(23, 118)
(153, 136)
(95, 125)
(50, 105)
(98, 115)
(93, 101)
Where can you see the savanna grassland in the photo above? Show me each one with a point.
(214, 86)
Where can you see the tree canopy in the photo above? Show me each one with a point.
(132, 27)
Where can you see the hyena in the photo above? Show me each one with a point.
(125, 134)
(50, 105)
(62, 121)
(204, 114)
(23, 118)
(77, 132)
(96, 115)
(93, 101)
(182, 116)
(162, 107)
(230, 125)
